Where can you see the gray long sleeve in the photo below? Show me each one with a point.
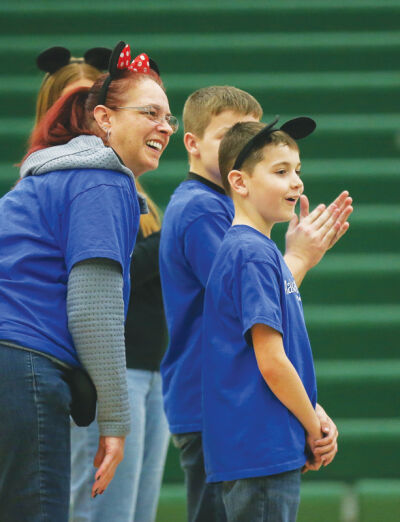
(95, 309)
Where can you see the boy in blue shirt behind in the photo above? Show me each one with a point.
(259, 388)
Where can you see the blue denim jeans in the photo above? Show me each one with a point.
(275, 498)
(204, 501)
(134, 491)
(34, 438)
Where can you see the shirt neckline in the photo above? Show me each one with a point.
(207, 182)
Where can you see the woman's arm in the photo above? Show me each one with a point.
(95, 309)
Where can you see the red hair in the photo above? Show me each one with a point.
(72, 114)
(65, 120)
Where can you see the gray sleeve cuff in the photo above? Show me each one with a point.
(95, 309)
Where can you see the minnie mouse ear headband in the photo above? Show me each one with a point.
(120, 60)
(297, 129)
(52, 59)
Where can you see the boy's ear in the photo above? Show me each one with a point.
(190, 142)
(237, 182)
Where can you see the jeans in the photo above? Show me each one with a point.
(134, 491)
(34, 438)
(204, 501)
(274, 498)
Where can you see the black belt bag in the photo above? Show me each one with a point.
(83, 391)
(83, 395)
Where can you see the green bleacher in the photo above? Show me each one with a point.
(337, 62)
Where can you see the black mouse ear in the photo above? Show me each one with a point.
(53, 59)
(299, 128)
(154, 66)
(115, 56)
(98, 57)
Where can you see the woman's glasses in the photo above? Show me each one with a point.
(155, 115)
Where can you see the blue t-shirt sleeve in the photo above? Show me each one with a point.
(202, 240)
(98, 223)
(256, 293)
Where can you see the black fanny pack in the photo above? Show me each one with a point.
(83, 391)
(83, 395)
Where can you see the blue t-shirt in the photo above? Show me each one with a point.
(194, 225)
(48, 223)
(247, 431)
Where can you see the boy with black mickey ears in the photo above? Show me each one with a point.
(259, 388)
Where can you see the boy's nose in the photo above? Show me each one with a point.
(296, 181)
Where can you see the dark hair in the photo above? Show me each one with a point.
(234, 141)
(72, 114)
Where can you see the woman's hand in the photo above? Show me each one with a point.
(109, 454)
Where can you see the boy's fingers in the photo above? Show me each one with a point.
(330, 222)
(293, 223)
(330, 230)
(327, 458)
(324, 216)
(320, 451)
(342, 230)
(341, 199)
(308, 466)
(331, 436)
(325, 449)
(316, 213)
(345, 212)
(304, 206)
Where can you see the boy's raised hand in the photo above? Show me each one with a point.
(312, 234)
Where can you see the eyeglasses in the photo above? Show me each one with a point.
(155, 115)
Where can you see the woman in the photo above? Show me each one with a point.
(67, 232)
(134, 491)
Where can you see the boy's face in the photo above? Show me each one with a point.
(275, 186)
(208, 145)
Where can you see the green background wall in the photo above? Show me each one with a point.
(338, 62)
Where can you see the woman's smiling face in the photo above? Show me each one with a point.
(135, 137)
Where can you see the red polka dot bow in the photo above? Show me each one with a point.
(140, 64)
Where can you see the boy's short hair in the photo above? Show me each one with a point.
(234, 141)
(207, 102)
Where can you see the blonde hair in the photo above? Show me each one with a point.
(207, 102)
(50, 91)
(151, 222)
(53, 84)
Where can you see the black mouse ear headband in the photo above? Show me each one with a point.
(297, 129)
(52, 59)
(120, 60)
